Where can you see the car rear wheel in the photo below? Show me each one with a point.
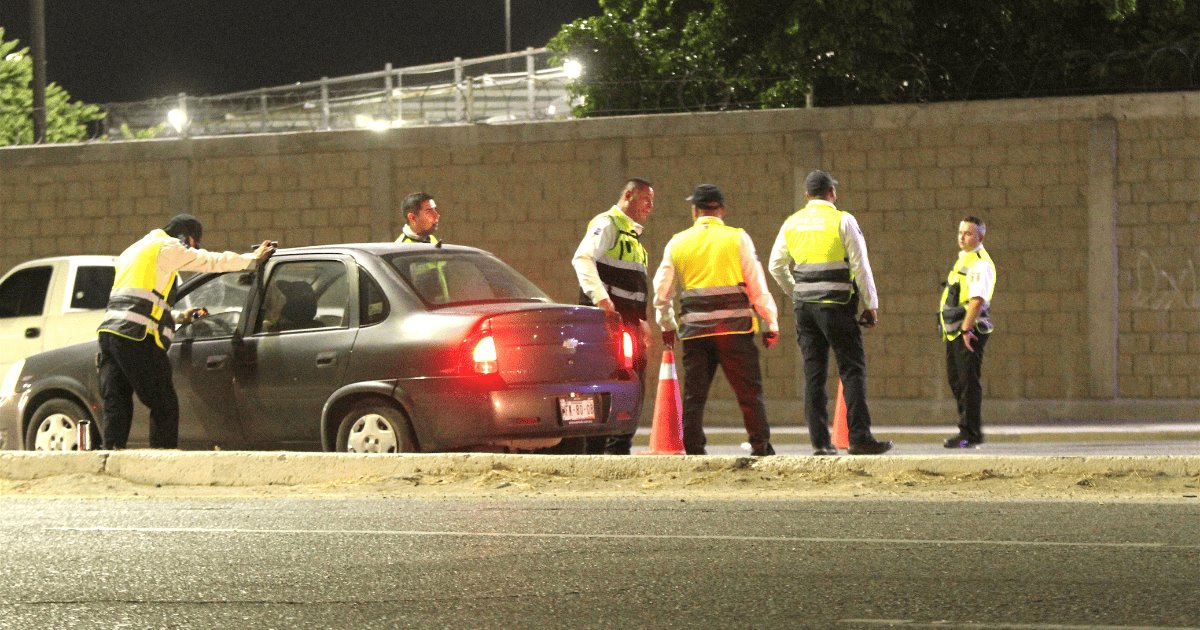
(55, 426)
(375, 428)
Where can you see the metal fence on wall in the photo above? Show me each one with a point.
(500, 88)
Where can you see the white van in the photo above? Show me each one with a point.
(52, 302)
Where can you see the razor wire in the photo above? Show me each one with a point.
(482, 90)
(525, 87)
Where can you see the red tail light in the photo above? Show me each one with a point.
(484, 355)
(626, 350)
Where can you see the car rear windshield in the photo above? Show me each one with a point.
(457, 278)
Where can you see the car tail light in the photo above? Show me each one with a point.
(626, 350)
(484, 355)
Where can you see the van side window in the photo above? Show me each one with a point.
(23, 294)
(92, 286)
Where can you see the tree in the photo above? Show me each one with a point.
(696, 55)
(66, 121)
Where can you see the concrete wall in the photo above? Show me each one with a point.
(1092, 206)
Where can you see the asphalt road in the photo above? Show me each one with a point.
(501, 563)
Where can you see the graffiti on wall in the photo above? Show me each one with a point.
(1159, 288)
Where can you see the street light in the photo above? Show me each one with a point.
(572, 69)
(178, 119)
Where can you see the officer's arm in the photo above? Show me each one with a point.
(598, 239)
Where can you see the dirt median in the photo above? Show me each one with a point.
(139, 474)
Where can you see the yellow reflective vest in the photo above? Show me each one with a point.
(819, 263)
(708, 261)
(957, 293)
(137, 305)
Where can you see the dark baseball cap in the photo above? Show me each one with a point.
(818, 183)
(707, 195)
(184, 225)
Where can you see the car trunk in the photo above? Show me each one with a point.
(561, 344)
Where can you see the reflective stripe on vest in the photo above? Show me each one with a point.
(819, 263)
(708, 262)
(136, 307)
(715, 311)
(956, 294)
(622, 269)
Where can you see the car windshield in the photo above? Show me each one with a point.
(457, 278)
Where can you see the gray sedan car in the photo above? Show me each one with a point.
(377, 347)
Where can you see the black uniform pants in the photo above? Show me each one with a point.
(820, 327)
(964, 368)
(128, 367)
(738, 357)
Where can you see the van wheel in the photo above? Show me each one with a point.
(372, 427)
(55, 426)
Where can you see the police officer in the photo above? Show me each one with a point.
(421, 218)
(610, 264)
(138, 327)
(820, 259)
(966, 327)
(723, 287)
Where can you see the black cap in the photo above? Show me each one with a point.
(184, 225)
(707, 196)
(818, 183)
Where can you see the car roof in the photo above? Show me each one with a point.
(377, 249)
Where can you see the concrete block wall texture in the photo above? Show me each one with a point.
(1091, 204)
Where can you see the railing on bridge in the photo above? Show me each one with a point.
(500, 88)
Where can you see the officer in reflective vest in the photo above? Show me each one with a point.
(421, 219)
(139, 325)
(610, 264)
(965, 327)
(820, 259)
(723, 289)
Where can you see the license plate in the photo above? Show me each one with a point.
(577, 410)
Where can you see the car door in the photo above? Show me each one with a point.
(23, 296)
(202, 357)
(294, 357)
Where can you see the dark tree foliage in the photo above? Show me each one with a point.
(66, 121)
(701, 55)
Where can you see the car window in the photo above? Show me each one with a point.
(92, 286)
(455, 278)
(23, 294)
(224, 296)
(305, 295)
(373, 305)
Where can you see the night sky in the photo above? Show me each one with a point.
(106, 51)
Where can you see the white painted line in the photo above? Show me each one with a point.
(909, 623)
(715, 537)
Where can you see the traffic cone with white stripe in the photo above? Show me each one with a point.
(666, 434)
(841, 429)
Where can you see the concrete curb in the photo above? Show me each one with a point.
(249, 469)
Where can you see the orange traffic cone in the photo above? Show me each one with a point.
(666, 434)
(841, 430)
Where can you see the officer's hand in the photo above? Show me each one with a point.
(770, 338)
(607, 305)
(969, 337)
(869, 318)
(645, 330)
(265, 250)
(668, 337)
